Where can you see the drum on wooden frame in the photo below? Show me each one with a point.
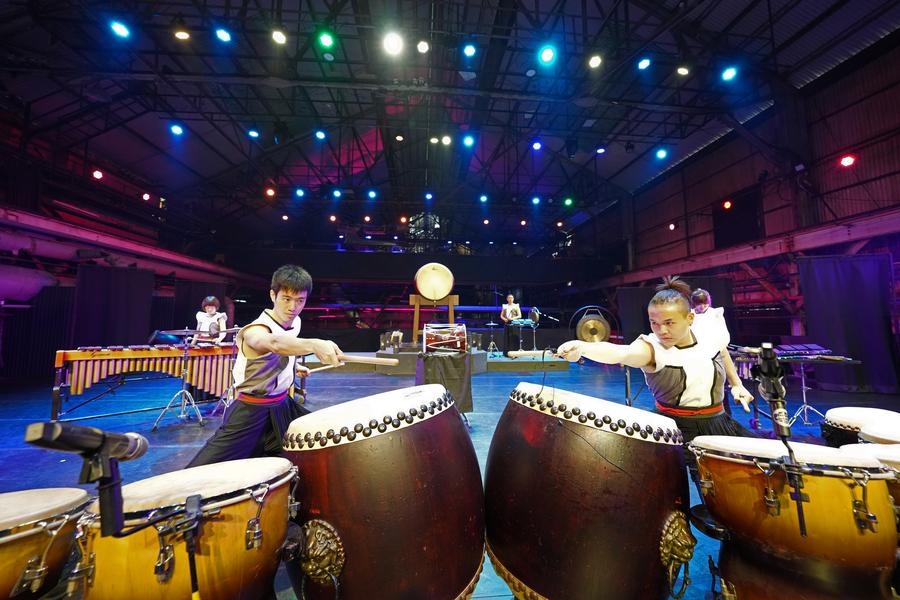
(391, 500)
(37, 530)
(843, 424)
(245, 505)
(577, 486)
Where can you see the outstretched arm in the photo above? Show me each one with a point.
(261, 341)
(738, 391)
(637, 354)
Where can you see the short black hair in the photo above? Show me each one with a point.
(700, 296)
(210, 301)
(291, 277)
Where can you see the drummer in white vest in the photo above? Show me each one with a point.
(709, 321)
(264, 373)
(509, 312)
(684, 371)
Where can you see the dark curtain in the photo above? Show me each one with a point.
(32, 336)
(848, 310)
(112, 306)
(188, 296)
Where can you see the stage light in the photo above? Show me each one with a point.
(176, 129)
(332, 218)
(299, 192)
(182, 35)
(848, 160)
(567, 202)
(396, 237)
(434, 140)
(97, 174)
(372, 194)
(468, 242)
(340, 237)
(336, 193)
(523, 222)
(536, 145)
(326, 40)
(483, 198)
(536, 200)
(727, 205)
(515, 243)
(662, 153)
(487, 221)
(270, 192)
(180, 30)
(278, 36)
(468, 141)
(547, 55)
(223, 35)
(729, 73)
(254, 133)
(120, 29)
(491, 243)
(437, 225)
(643, 64)
(559, 223)
(320, 135)
(393, 44)
(398, 137)
(368, 237)
(423, 47)
(146, 196)
(284, 217)
(403, 220)
(445, 140)
(683, 71)
(601, 149)
(429, 195)
(530, 73)
(367, 218)
(672, 226)
(595, 61)
(469, 50)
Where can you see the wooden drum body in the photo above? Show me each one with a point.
(746, 489)
(585, 498)
(241, 532)
(37, 530)
(390, 496)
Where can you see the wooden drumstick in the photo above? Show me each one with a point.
(530, 353)
(369, 360)
(325, 368)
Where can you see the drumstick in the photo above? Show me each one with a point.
(325, 368)
(529, 353)
(369, 360)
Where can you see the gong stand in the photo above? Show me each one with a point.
(416, 301)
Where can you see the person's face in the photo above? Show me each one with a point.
(210, 309)
(287, 304)
(670, 323)
(509, 299)
(701, 308)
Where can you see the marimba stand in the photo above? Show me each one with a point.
(416, 301)
(185, 396)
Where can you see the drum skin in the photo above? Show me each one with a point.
(833, 538)
(225, 568)
(576, 512)
(15, 554)
(406, 503)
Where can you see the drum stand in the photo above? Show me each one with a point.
(533, 337)
(492, 348)
(186, 399)
(805, 408)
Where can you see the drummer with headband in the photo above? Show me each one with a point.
(684, 370)
(264, 373)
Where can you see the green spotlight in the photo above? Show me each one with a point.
(567, 202)
(326, 39)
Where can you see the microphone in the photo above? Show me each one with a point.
(68, 437)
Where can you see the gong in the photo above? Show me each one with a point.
(592, 328)
(434, 281)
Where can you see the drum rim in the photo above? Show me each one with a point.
(206, 504)
(826, 470)
(670, 435)
(29, 528)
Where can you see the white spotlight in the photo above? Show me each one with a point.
(446, 140)
(279, 37)
(595, 61)
(393, 43)
(423, 47)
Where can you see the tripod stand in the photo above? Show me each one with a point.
(183, 395)
(492, 348)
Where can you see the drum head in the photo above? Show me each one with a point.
(210, 481)
(749, 448)
(434, 281)
(26, 506)
(883, 432)
(889, 454)
(856, 417)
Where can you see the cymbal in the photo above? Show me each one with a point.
(231, 330)
(490, 324)
(184, 332)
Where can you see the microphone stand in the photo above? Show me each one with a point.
(769, 374)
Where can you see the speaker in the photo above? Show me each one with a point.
(737, 218)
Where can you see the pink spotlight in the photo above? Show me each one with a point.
(98, 174)
(848, 160)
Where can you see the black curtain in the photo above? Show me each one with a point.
(188, 296)
(32, 336)
(848, 310)
(112, 306)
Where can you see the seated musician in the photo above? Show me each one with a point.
(508, 313)
(707, 320)
(684, 370)
(207, 315)
(264, 373)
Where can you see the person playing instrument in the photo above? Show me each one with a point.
(264, 373)
(684, 370)
(206, 316)
(508, 313)
(707, 320)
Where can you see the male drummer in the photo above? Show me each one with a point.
(508, 313)
(264, 373)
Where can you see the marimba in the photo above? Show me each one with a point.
(208, 368)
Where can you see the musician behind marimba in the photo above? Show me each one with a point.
(508, 313)
(209, 314)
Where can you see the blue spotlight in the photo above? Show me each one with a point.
(299, 192)
(336, 193)
(601, 149)
(483, 198)
(547, 55)
(119, 28)
(429, 195)
(536, 200)
(176, 129)
(662, 153)
(643, 64)
(468, 141)
(373, 194)
(469, 50)
(223, 34)
(320, 135)
(536, 145)
(729, 73)
(254, 133)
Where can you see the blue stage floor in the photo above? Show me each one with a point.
(175, 443)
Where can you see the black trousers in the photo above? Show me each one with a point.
(510, 338)
(249, 431)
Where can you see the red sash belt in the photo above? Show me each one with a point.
(684, 412)
(261, 399)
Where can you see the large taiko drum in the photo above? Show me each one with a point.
(846, 505)
(434, 281)
(37, 529)
(843, 424)
(243, 525)
(585, 498)
(390, 496)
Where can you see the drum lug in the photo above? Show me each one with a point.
(253, 534)
(707, 487)
(861, 515)
(676, 549)
(164, 560)
(772, 503)
(32, 577)
(84, 570)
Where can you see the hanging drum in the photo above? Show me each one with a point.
(434, 281)
(585, 499)
(848, 514)
(37, 529)
(592, 327)
(842, 424)
(391, 501)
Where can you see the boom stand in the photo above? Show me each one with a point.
(186, 399)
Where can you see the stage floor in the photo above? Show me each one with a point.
(175, 443)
